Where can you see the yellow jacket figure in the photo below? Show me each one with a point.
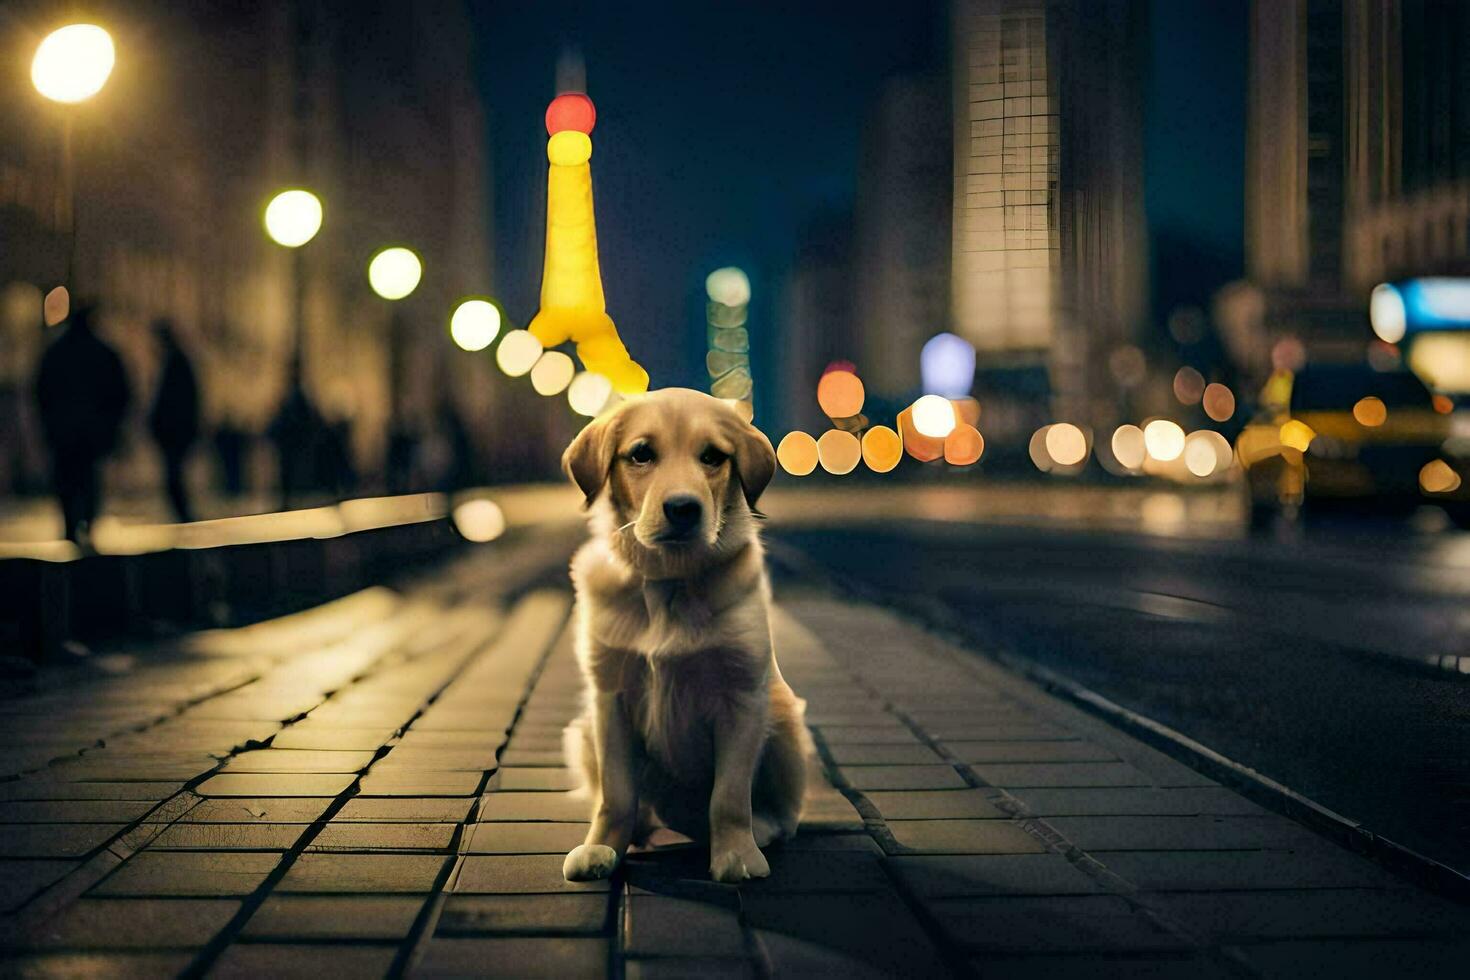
(572, 304)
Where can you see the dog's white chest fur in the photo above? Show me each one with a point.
(667, 617)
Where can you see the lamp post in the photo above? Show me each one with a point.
(394, 273)
(71, 65)
(292, 218)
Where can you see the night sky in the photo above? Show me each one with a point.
(722, 127)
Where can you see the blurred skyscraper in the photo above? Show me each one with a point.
(211, 110)
(817, 315)
(1358, 157)
(1049, 260)
(902, 231)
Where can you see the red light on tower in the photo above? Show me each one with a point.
(570, 110)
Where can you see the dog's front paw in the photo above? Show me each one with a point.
(590, 862)
(736, 864)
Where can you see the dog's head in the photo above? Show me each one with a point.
(675, 474)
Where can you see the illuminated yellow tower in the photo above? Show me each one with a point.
(572, 303)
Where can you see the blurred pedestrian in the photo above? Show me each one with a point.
(174, 420)
(230, 444)
(297, 431)
(83, 393)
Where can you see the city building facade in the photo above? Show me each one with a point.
(209, 112)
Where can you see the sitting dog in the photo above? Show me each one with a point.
(688, 723)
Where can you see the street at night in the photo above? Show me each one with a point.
(961, 488)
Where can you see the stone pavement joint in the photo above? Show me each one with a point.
(391, 801)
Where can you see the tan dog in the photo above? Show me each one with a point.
(688, 722)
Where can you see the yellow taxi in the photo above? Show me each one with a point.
(1341, 433)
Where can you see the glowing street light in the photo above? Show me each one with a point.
(588, 393)
(395, 272)
(73, 63)
(934, 416)
(293, 217)
(474, 324)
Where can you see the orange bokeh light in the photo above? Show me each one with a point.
(840, 393)
(882, 448)
(915, 443)
(964, 445)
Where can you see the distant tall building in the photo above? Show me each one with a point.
(211, 110)
(902, 232)
(817, 316)
(1358, 156)
(1049, 253)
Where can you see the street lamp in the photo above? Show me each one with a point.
(71, 65)
(292, 218)
(474, 324)
(394, 273)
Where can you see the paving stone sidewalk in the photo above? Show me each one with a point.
(376, 788)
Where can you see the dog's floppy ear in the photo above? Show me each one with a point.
(755, 461)
(588, 460)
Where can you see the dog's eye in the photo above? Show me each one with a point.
(712, 456)
(641, 454)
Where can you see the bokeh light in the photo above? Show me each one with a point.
(1370, 411)
(1297, 435)
(922, 447)
(479, 520)
(518, 352)
(552, 373)
(947, 366)
(293, 217)
(839, 452)
(1189, 385)
(882, 448)
(797, 453)
(1066, 444)
(588, 393)
(1163, 440)
(840, 393)
(1387, 314)
(1219, 402)
(1036, 448)
(964, 445)
(474, 324)
(1288, 354)
(1206, 452)
(571, 110)
(729, 286)
(57, 306)
(934, 416)
(1437, 476)
(1128, 446)
(73, 63)
(395, 272)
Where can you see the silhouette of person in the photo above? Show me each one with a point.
(297, 432)
(174, 419)
(230, 443)
(83, 393)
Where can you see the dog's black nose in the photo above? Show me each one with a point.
(683, 511)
